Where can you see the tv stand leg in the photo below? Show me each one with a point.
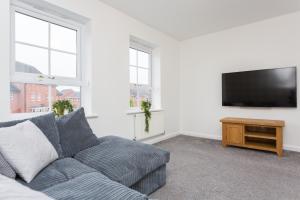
(279, 153)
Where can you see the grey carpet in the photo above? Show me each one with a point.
(202, 169)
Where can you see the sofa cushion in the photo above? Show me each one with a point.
(47, 125)
(123, 160)
(6, 169)
(58, 172)
(75, 133)
(26, 149)
(92, 186)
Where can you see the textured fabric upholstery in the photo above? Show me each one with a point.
(123, 160)
(152, 181)
(75, 133)
(92, 186)
(58, 172)
(6, 169)
(47, 125)
(26, 149)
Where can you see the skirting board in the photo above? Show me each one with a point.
(219, 137)
(201, 135)
(161, 138)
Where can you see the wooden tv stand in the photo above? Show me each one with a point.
(253, 133)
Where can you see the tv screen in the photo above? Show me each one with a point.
(260, 88)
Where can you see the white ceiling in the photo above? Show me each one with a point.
(185, 19)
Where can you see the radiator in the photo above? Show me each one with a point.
(156, 125)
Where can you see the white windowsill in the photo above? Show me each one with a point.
(92, 116)
(138, 111)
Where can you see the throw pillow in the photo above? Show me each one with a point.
(26, 149)
(5, 168)
(47, 125)
(75, 133)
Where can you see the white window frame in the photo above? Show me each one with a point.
(142, 48)
(40, 78)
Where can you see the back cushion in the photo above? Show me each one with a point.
(75, 133)
(47, 125)
(6, 169)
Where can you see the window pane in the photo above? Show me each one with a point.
(133, 75)
(133, 57)
(143, 76)
(145, 93)
(143, 59)
(63, 64)
(67, 93)
(27, 98)
(63, 38)
(31, 59)
(139, 94)
(31, 30)
(133, 96)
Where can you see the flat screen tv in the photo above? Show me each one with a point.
(260, 88)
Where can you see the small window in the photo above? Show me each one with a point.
(46, 67)
(140, 76)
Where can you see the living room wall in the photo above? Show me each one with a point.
(267, 44)
(109, 35)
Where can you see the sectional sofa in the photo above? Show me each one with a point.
(107, 168)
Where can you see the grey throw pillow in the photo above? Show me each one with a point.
(6, 169)
(47, 124)
(75, 133)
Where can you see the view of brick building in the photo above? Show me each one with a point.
(26, 97)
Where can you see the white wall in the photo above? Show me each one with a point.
(109, 37)
(266, 44)
(4, 57)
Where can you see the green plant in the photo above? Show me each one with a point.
(60, 106)
(145, 106)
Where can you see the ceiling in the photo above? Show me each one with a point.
(184, 19)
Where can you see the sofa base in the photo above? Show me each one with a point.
(151, 182)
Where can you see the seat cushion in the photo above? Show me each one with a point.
(58, 172)
(47, 125)
(75, 133)
(152, 181)
(92, 186)
(122, 160)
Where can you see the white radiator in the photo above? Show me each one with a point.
(156, 125)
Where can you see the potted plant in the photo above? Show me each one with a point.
(61, 106)
(145, 107)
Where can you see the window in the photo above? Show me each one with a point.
(45, 61)
(140, 67)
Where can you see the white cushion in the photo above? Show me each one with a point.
(12, 190)
(26, 149)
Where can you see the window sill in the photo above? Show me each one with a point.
(138, 111)
(92, 116)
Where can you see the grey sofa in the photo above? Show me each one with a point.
(114, 169)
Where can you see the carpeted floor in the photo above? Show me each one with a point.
(202, 169)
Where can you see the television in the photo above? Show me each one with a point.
(260, 88)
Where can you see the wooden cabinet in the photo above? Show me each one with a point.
(235, 134)
(253, 133)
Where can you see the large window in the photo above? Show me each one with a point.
(140, 76)
(45, 62)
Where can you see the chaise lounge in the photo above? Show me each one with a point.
(95, 168)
